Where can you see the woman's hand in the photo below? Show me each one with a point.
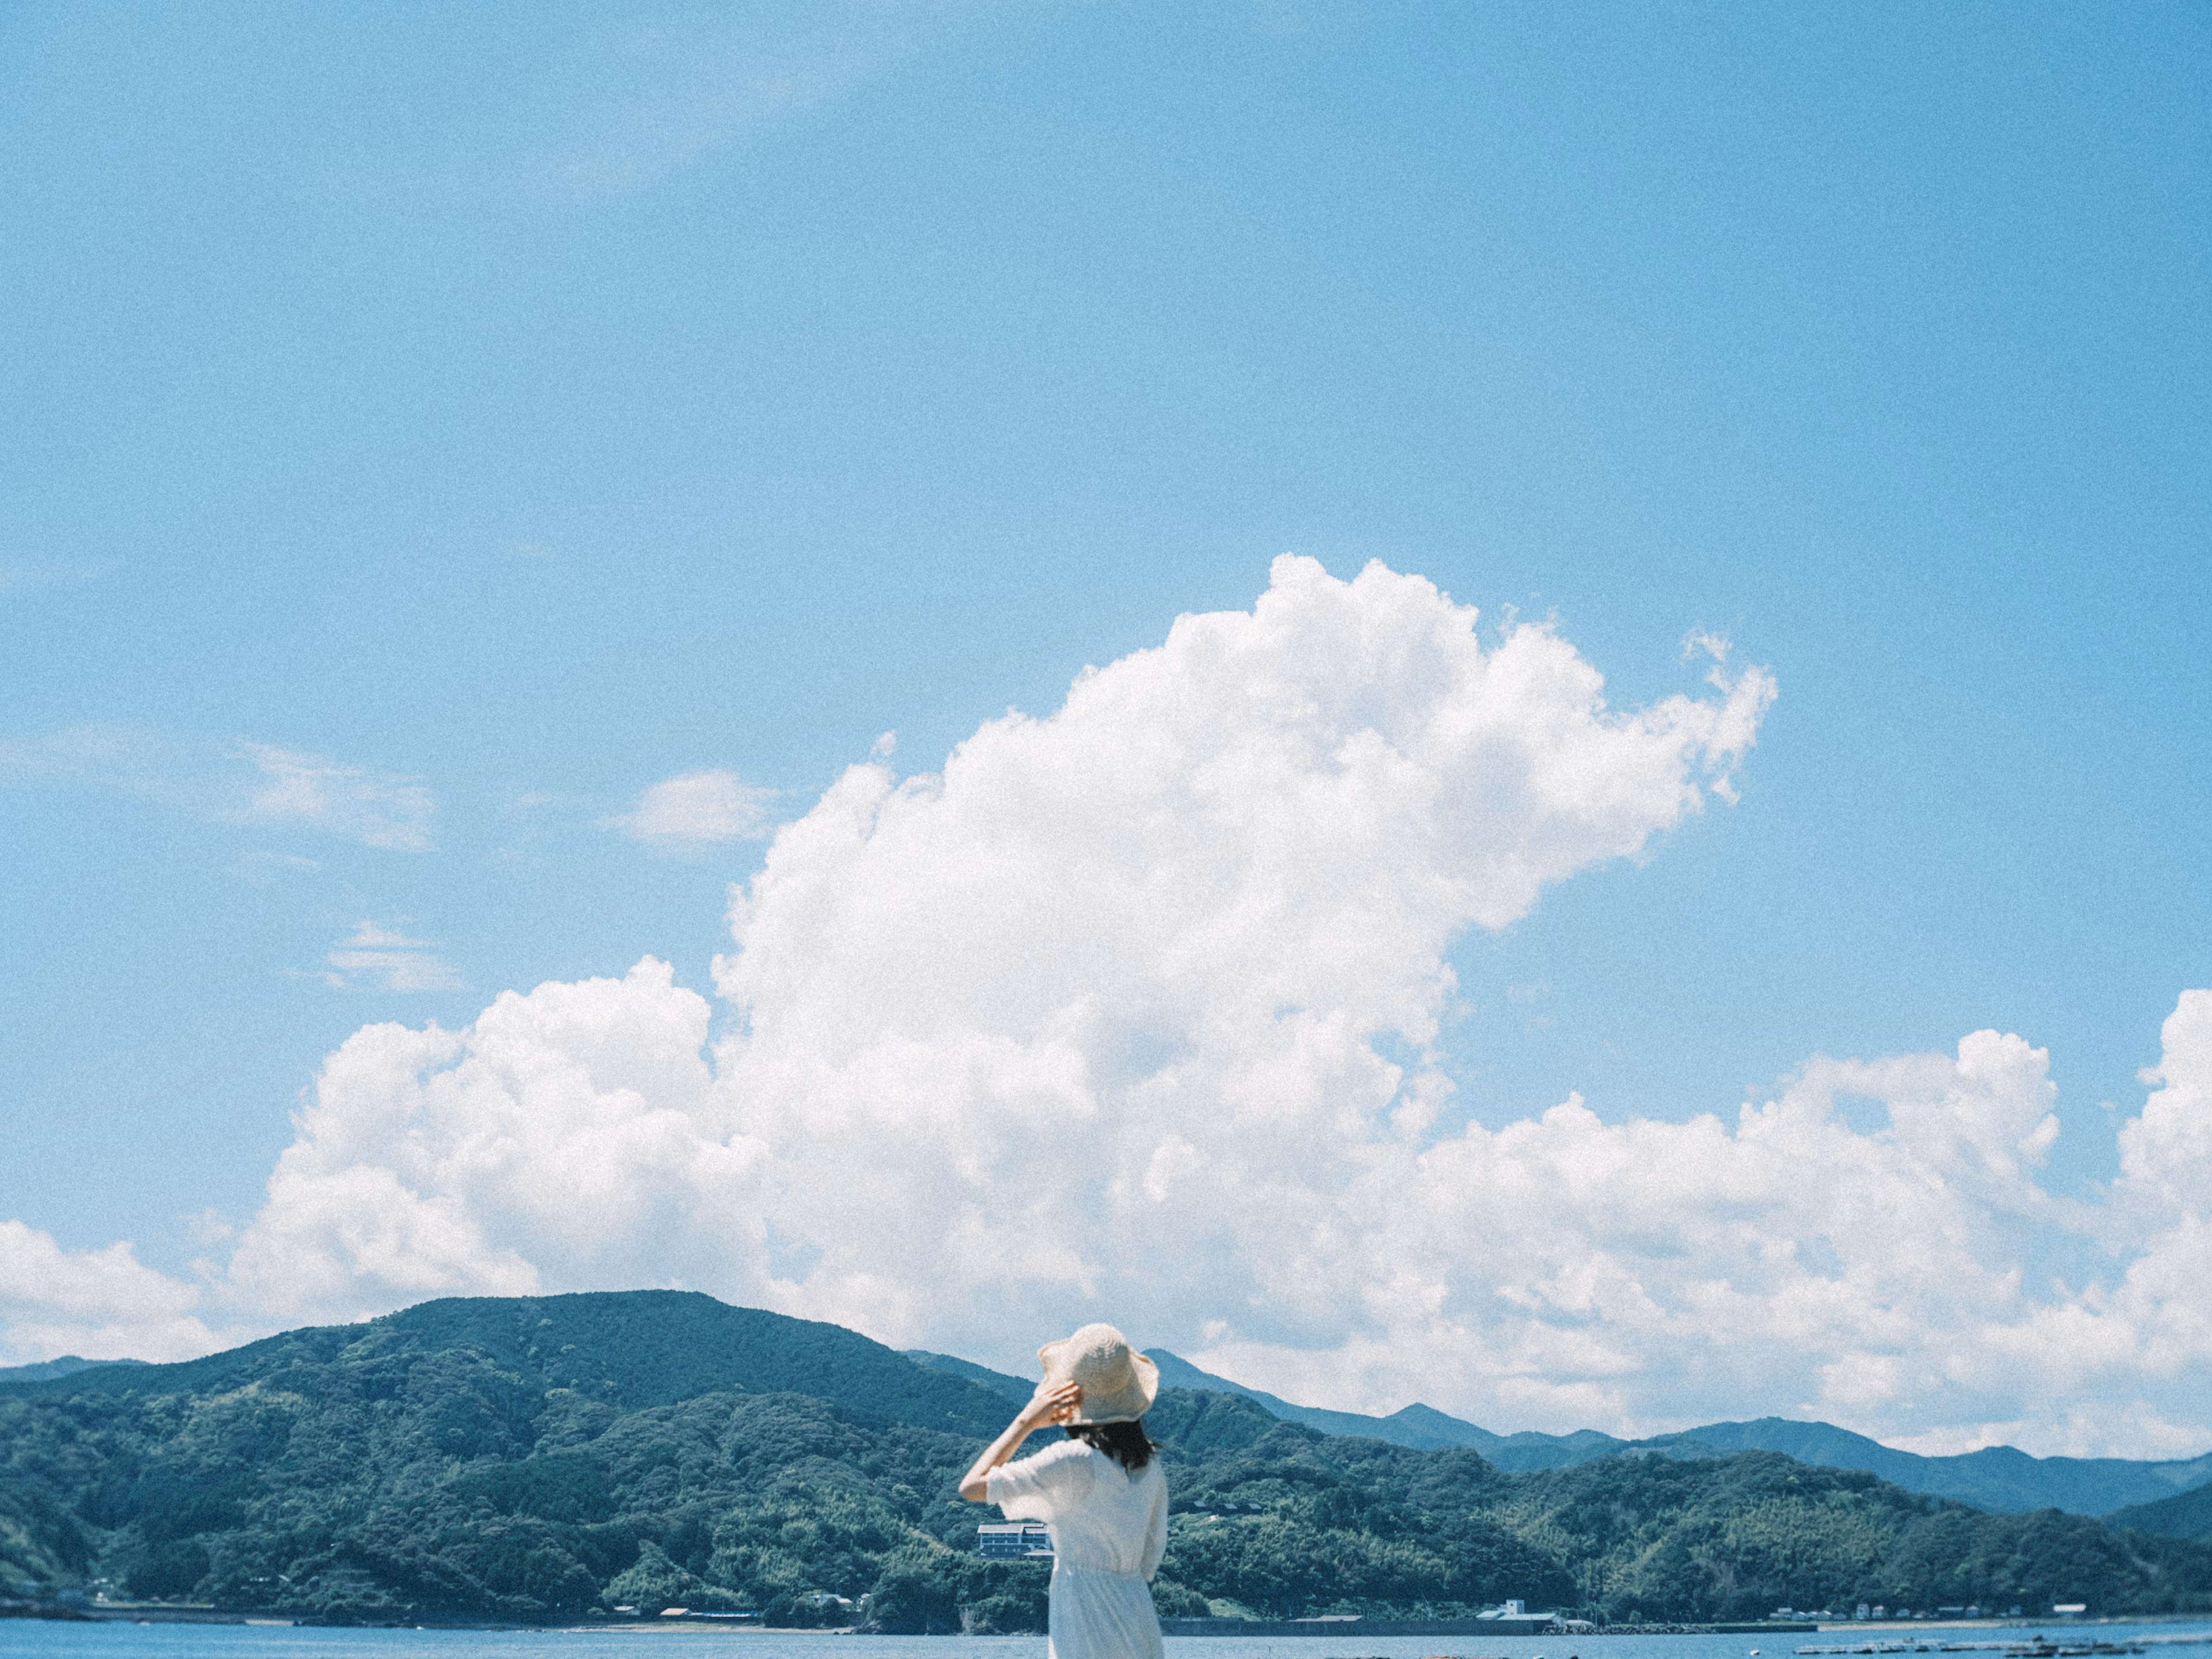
(1053, 1405)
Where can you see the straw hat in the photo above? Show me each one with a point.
(1118, 1385)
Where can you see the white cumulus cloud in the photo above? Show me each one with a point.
(696, 809)
(1097, 1006)
(102, 1304)
(568, 1137)
(1138, 1010)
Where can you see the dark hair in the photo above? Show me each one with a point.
(1127, 1443)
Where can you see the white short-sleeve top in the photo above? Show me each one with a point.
(1101, 1516)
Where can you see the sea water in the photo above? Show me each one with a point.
(32, 1638)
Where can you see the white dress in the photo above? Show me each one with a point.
(1108, 1530)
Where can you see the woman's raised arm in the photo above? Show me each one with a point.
(1048, 1406)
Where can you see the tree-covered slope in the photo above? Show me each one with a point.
(2001, 1478)
(541, 1458)
(384, 1477)
(1013, 1389)
(1644, 1535)
(2185, 1514)
(628, 1348)
(1994, 1478)
(67, 1364)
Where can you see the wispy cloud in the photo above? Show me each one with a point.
(241, 781)
(1705, 642)
(124, 757)
(376, 957)
(378, 809)
(697, 809)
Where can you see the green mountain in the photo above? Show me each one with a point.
(1418, 1426)
(549, 1458)
(517, 1459)
(67, 1366)
(1422, 1427)
(2184, 1515)
(1012, 1390)
(627, 1348)
(1997, 1477)
(1642, 1535)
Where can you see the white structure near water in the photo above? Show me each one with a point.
(1014, 1540)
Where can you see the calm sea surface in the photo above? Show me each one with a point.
(28, 1638)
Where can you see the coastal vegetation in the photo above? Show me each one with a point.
(555, 1458)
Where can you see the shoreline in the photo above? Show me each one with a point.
(1890, 1636)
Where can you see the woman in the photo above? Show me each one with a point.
(1100, 1493)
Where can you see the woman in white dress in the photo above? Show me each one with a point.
(1100, 1493)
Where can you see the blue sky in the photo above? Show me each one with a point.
(491, 417)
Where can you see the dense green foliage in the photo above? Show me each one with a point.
(2184, 1515)
(1999, 1477)
(428, 1463)
(1347, 1524)
(628, 1348)
(544, 1459)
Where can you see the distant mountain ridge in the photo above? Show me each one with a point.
(1419, 1427)
(549, 1459)
(630, 1349)
(670, 1346)
(67, 1366)
(2184, 1515)
(2000, 1479)
(1012, 1390)
(1422, 1428)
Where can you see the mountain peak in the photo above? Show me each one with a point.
(631, 1348)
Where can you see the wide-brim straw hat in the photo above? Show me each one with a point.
(1119, 1383)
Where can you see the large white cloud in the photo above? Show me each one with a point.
(100, 1304)
(570, 1137)
(1099, 1020)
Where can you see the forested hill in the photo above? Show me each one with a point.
(64, 1367)
(627, 1348)
(2186, 1515)
(551, 1458)
(1994, 1478)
